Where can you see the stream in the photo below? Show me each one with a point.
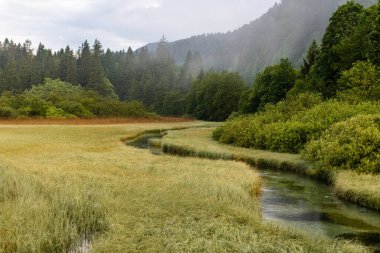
(296, 201)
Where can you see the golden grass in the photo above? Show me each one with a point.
(92, 121)
(59, 183)
(363, 189)
(200, 142)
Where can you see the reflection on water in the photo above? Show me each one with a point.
(297, 201)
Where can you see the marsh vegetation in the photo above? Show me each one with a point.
(60, 184)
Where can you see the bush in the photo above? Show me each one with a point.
(57, 99)
(6, 112)
(57, 113)
(291, 124)
(360, 83)
(290, 136)
(350, 145)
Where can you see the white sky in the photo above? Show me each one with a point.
(121, 23)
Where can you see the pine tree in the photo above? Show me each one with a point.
(26, 66)
(97, 79)
(84, 63)
(67, 66)
(310, 59)
(43, 65)
(9, 78)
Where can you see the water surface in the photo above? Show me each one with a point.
(297, 201)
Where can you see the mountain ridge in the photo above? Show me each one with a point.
(284, 31)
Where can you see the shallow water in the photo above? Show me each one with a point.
(297, 201)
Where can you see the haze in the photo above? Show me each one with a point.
(121, 23)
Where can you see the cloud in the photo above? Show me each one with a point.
(121, 23)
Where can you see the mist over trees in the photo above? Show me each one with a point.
(285, 31)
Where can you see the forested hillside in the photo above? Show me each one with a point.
(329, 108)
(285, 31)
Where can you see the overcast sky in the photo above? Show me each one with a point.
(121, 23)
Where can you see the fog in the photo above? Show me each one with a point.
(121, 23)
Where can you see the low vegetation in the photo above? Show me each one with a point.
(349, 145)
(63, 184)
(55, 99)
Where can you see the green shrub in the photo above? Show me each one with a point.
(6, 112)
(57, 99)
(289, 125)
(57, 113)
(289, 137)
(349, 145)
(33, 107)
(360, 83)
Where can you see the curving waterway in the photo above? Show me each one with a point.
(295, 201)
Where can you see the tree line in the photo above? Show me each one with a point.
(154, 79)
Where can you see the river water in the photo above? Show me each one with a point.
(296, 201)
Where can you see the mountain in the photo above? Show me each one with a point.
(285, 31)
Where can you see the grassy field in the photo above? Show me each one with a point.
(361, 189)
(63, 185)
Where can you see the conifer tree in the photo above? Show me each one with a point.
(375, 38)
(84, 63)
(310, 59)
(67, 66)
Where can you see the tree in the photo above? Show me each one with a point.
(43, 65)
(97, 79)
(9, 78)
(330, 64)
(215, 96)
(375, 37)
(271, 86)
(67, 66)
(84, 63)
(26, 66)
(360, 83)
(311, 56)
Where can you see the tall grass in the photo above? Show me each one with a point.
(59, 183)
(45, 216)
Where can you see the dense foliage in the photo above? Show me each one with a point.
(336, 129)
(351, 145)
(270, 86)
(58, 99)
(214, 96)
(291, 124)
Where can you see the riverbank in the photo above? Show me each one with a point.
(60, 185)
(363, 190)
